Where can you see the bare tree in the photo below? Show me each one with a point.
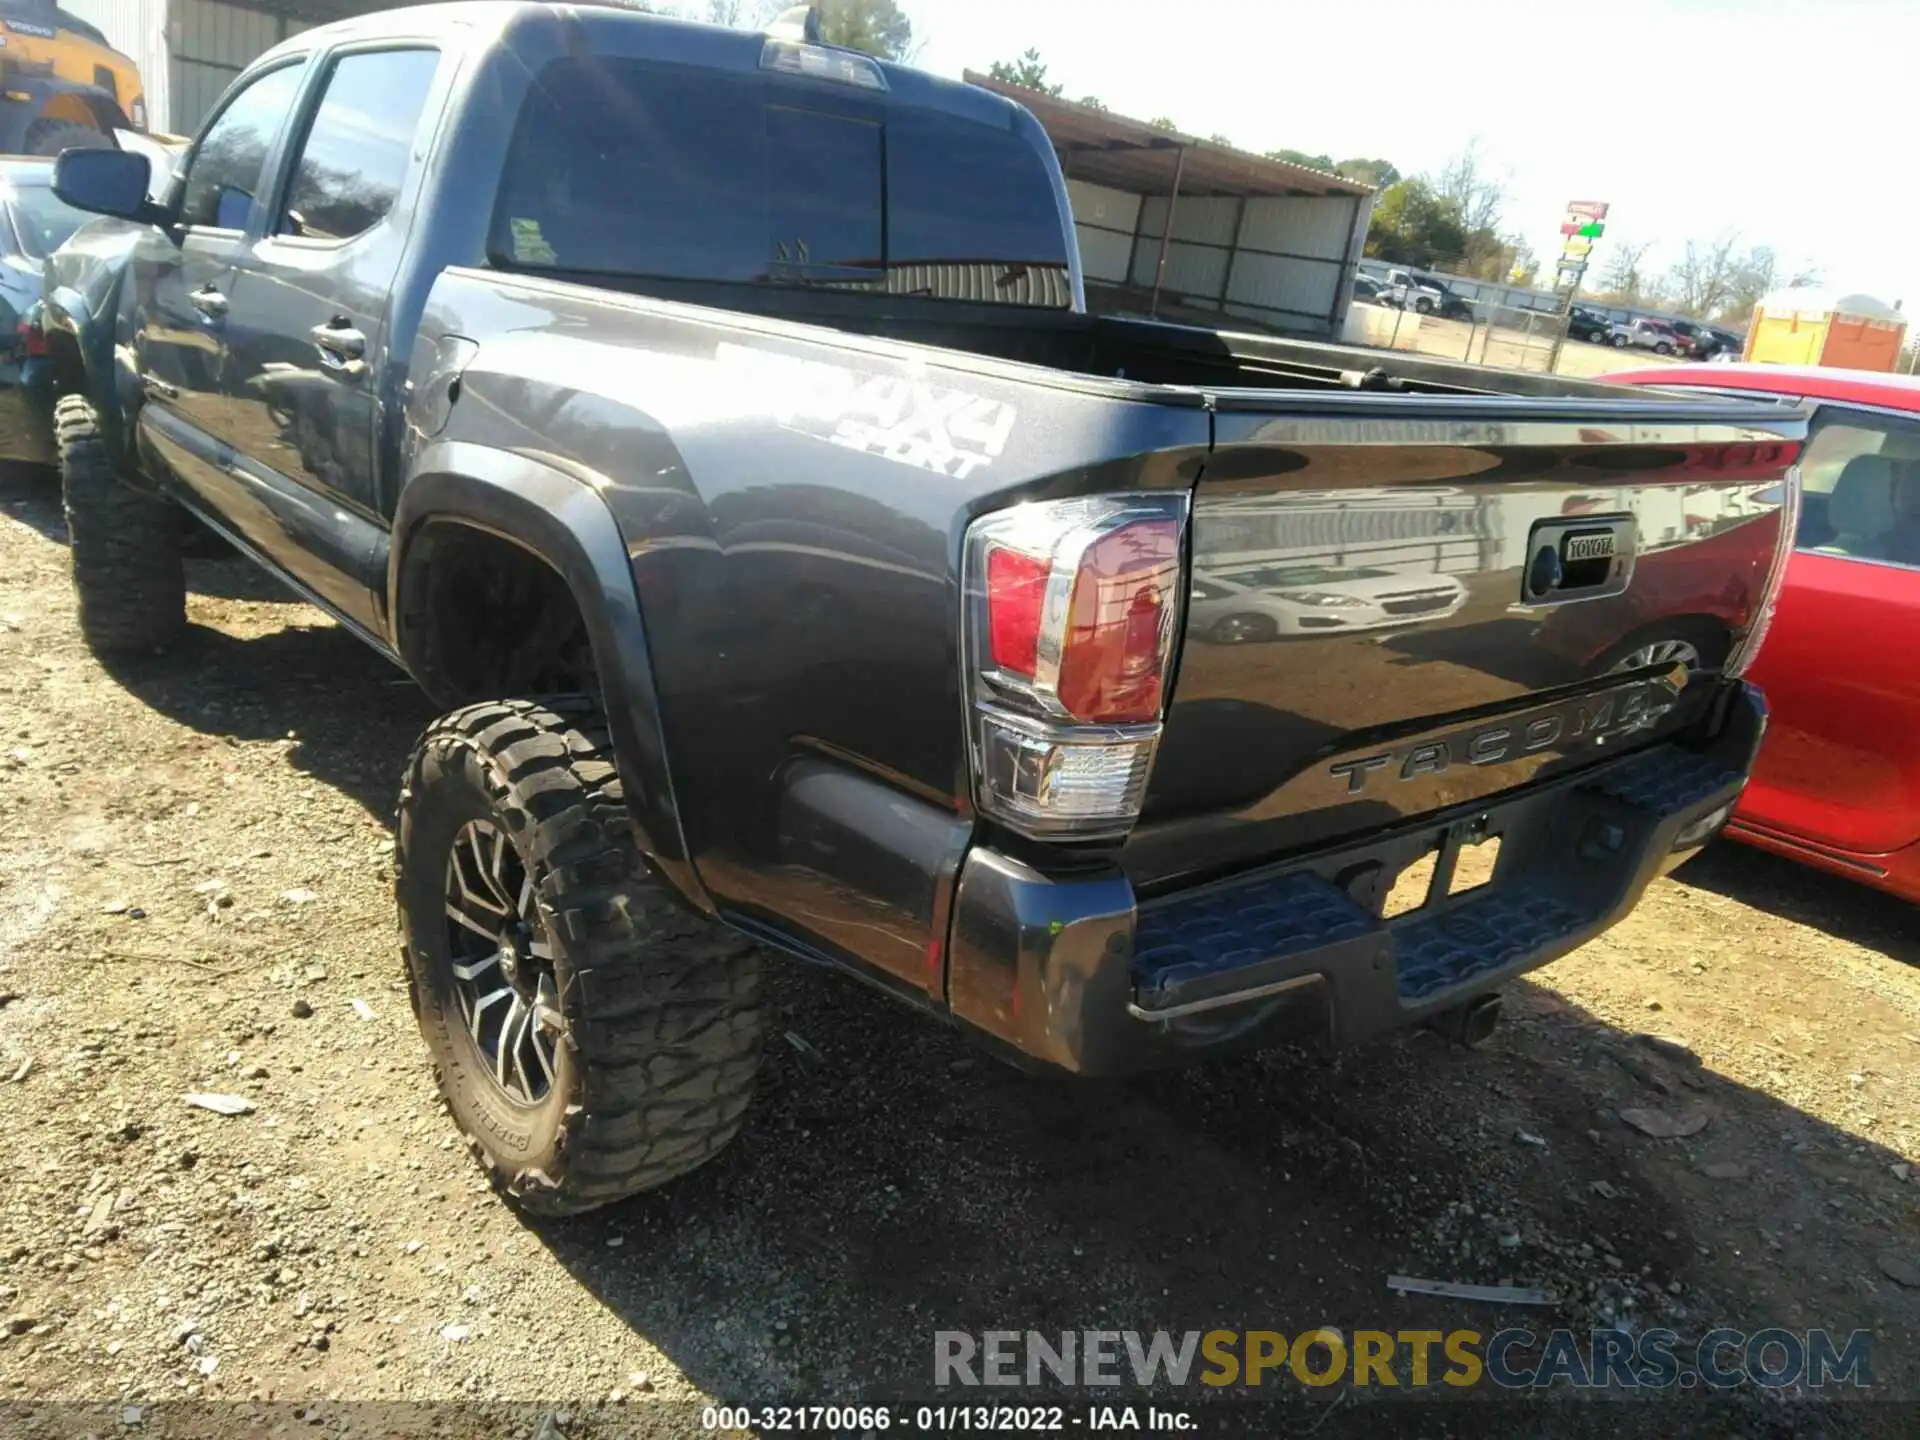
(1704, 276)
(1467, 183)
(1758, 273)
(1623, 276)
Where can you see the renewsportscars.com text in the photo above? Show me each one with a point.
(1511, 1359)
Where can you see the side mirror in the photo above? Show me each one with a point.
(107, 182)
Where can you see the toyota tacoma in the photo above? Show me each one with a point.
(712, 424)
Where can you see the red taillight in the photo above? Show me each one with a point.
(1016, 591)
(1118, 627)
(1071, 610)
(32, 337)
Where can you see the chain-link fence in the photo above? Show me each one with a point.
(1512, 337)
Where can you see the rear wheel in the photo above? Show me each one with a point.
(1243, 629)
(50, 137)
(591, 1036)
(124, 544)
(1663, 349)
(1697, 644)
(1619, 342)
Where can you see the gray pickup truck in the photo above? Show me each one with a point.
(712, 424)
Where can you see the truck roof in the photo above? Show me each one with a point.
(659, 37)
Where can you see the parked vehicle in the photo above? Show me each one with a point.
(33, 223)
(733, 459)
(1655, 335)
(1838, 780)
(1690, 333)
(65, 86)
(1586, 323)
(1366, 290)
(1265, 602)
(1406, 291)
(1720, 345)
(1425, 294)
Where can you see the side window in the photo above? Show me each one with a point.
(354, 157)
(1860, 478)
(224, 171)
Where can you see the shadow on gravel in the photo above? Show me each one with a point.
(900, 1186)
(355, 716)
(1857, 913)
(214, 568)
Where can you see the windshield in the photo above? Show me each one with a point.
(42, 221)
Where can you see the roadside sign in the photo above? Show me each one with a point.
(1578, 245)
(1591, 229)
(1592, 209)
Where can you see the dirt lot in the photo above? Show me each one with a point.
(194, 896)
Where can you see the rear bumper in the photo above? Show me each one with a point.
(1076, 974)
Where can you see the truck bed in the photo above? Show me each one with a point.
(1109, 346)
(1357, 621)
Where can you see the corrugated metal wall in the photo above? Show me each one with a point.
(138, 30)
(187, 50)
(210, 44)
(1278, 260)
(1105, 221)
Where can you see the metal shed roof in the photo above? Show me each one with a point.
(1109, 149)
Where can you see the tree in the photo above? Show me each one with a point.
(1477, 196)
(1164, 122)
(878, 27)
(1755, 275)
(1300, 157)
(1369, 172)
(1414, 225)
(1091, 102)
(1622, 279)
(1218, 139)
(1703, 277)
(1029, 72)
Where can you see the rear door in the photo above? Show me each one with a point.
(306, 322)
(181, 281)
(1556, 555)
(1841, 766)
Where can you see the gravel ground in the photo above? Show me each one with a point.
(195, 897)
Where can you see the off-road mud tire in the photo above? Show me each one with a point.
(662, 1036)
(124, 544)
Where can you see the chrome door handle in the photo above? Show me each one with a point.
(339, 344)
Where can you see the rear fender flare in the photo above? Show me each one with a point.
(561, 519)
(91, 365)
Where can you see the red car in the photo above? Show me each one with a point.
(1838, 781)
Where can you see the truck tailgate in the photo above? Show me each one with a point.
(1401, 605)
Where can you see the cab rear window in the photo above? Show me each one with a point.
(640, 169)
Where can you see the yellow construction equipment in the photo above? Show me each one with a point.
(61, 84)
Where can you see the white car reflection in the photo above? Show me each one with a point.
(1263, 604)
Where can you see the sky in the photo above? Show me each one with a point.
(1788, 121)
